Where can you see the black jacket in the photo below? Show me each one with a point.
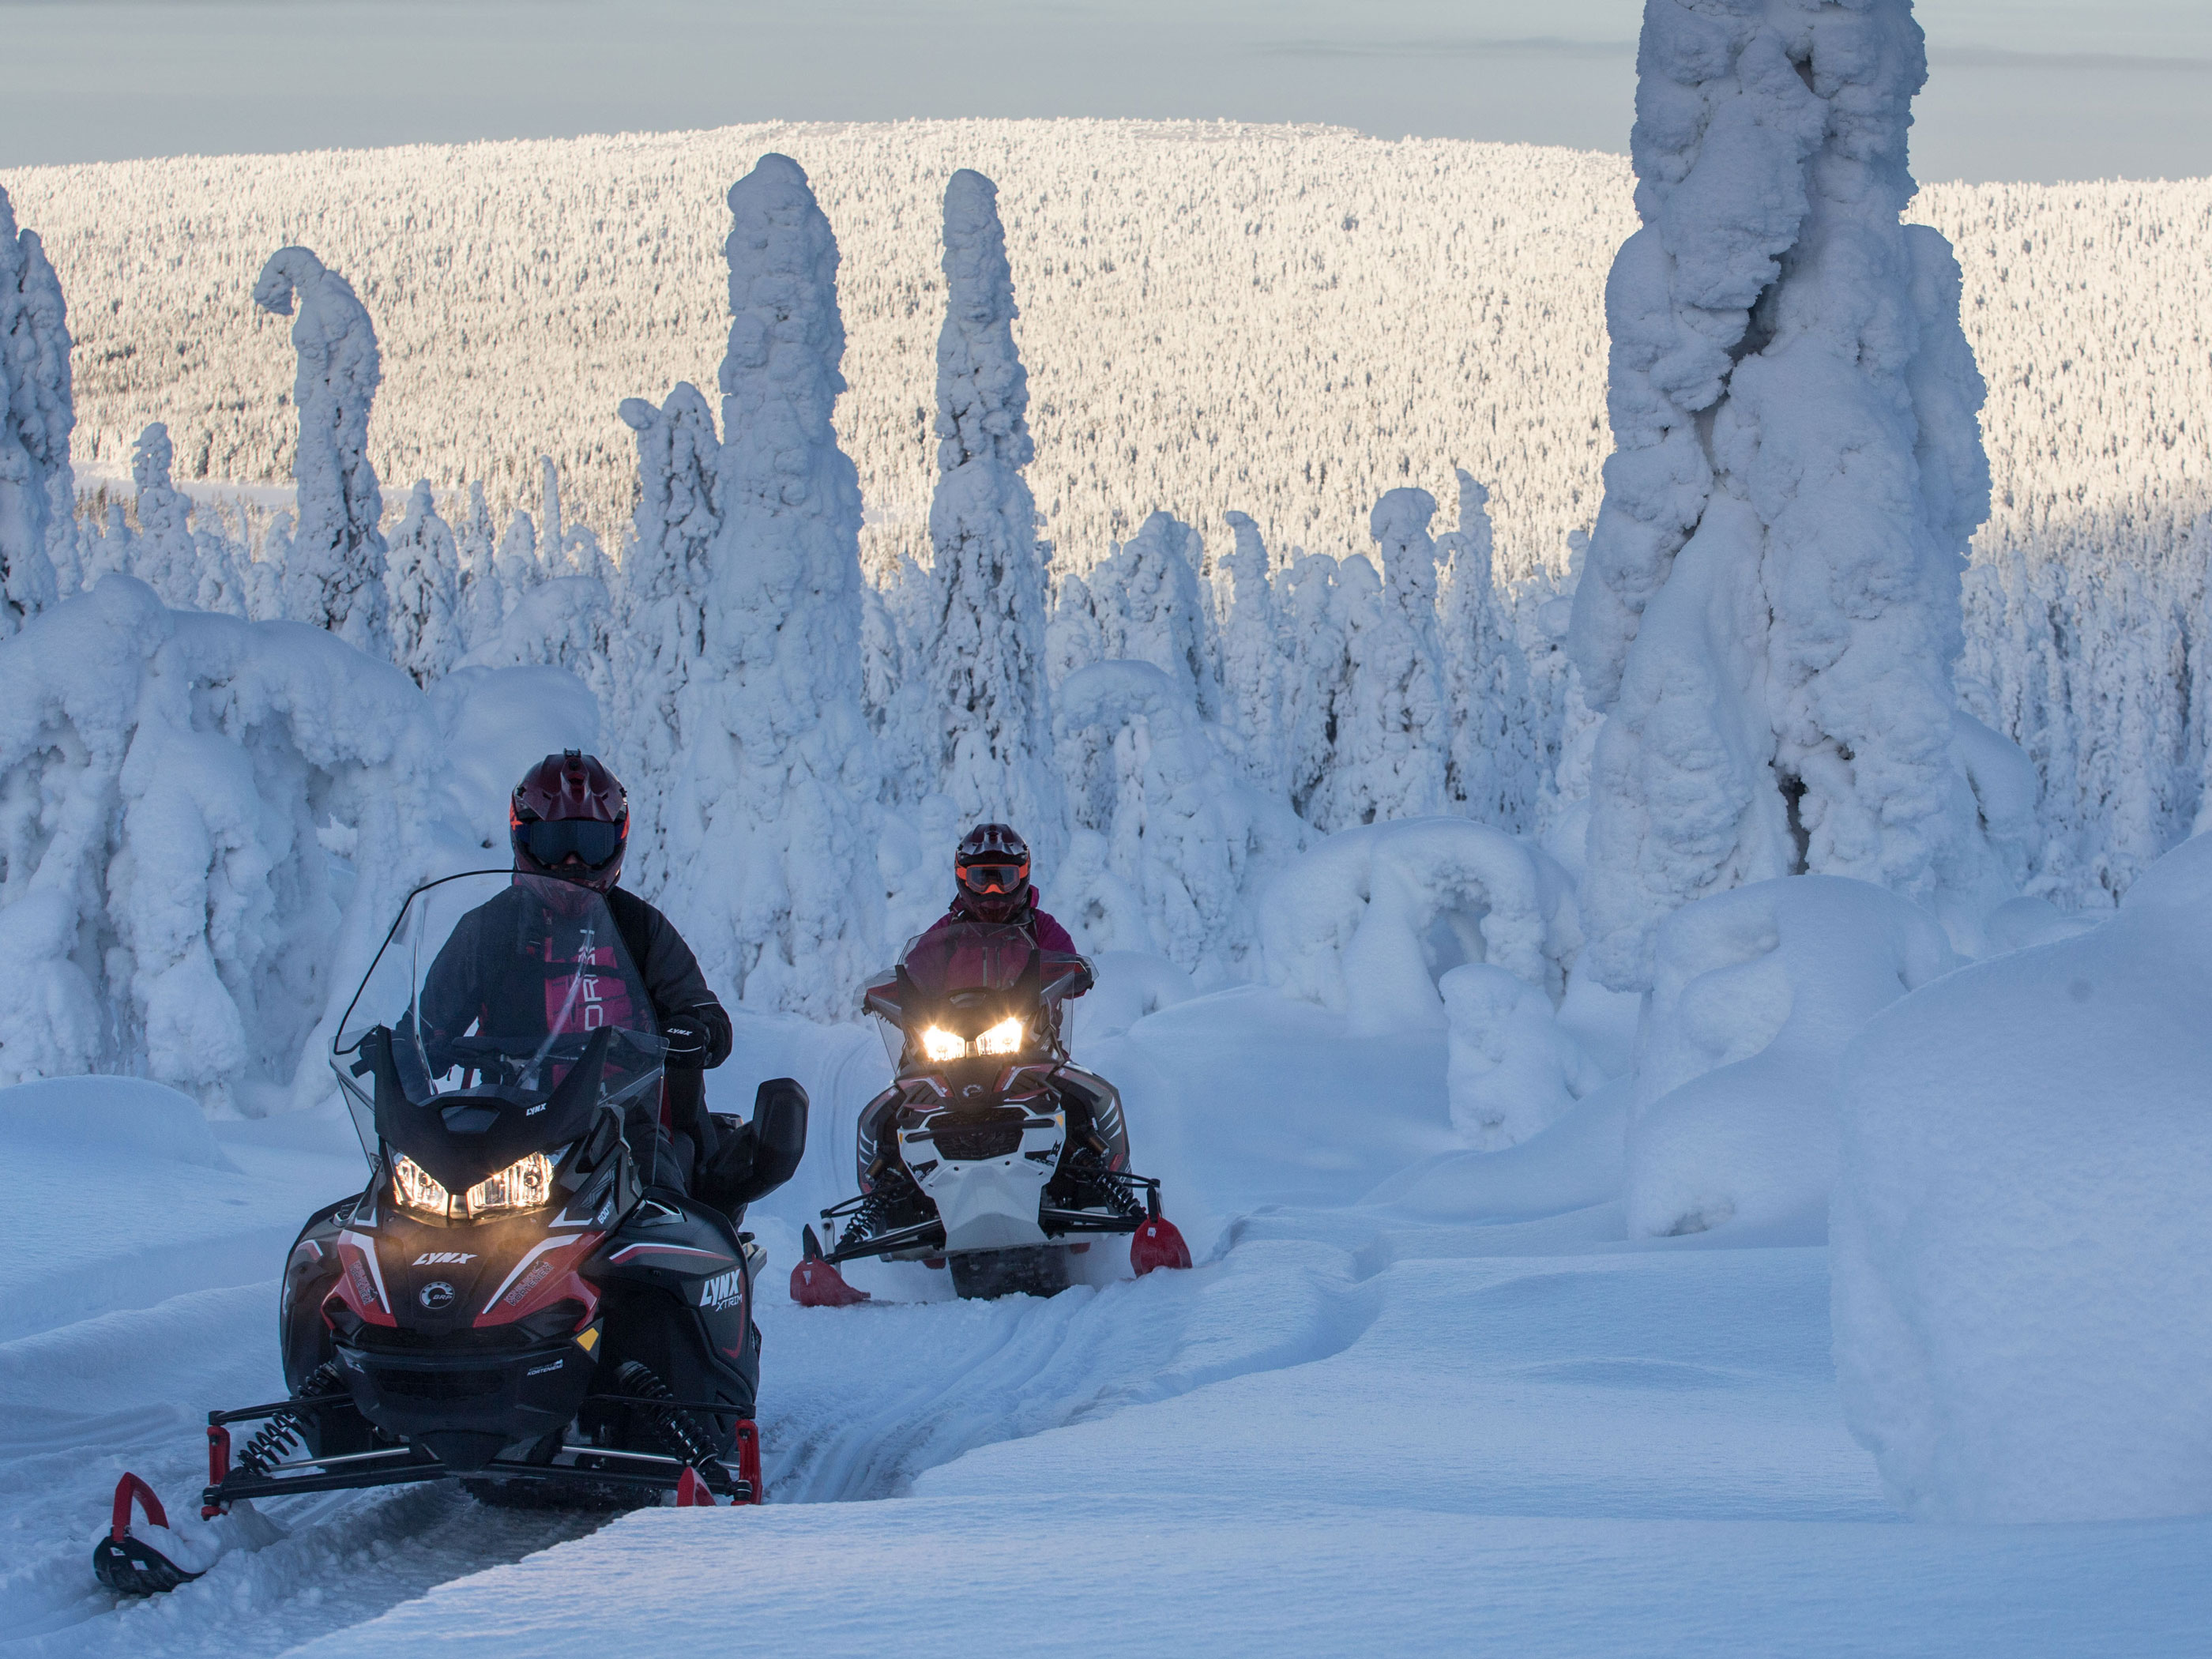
(473, 979)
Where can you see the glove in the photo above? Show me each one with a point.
(686, 1034)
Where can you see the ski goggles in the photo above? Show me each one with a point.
(552, 842)
(993, 878)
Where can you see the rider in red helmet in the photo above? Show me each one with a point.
(570, 822)
(991, 868)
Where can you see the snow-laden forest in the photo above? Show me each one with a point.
(1216, 319)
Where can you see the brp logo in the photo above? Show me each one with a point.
(435, 1297)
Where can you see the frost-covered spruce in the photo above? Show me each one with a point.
(1251, 655)
(663, 597)
(1151, 608)
(334, 573)
(1771, 607)
(770, 831)
(162, 555)
(516, 562)
(986, 615)
(1495, 769)
(479, 606)
(424, 588)
(37, 506)
(1314, 677)
(1390, 743)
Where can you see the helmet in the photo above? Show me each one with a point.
(993, 864)
(569, 817)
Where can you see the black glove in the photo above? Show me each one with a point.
(686, 1035)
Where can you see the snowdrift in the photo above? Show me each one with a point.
(1754, 996)
(1366, 923)
(2022, 1243)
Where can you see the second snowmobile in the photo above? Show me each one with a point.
(991, 1153)
(523, 1295)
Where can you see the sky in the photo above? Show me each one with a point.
(2020, 89)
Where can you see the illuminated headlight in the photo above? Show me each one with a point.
(1004, 1038)
(413, 1187)
(941, 1045)
(522, 1185)
(525, 1184)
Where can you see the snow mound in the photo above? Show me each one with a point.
(1364, 922)
(124, 1116)
(2023, 1250)
(1514, 1068)
(1131, 984)
(1754, 996)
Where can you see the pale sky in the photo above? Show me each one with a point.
(2030, 89)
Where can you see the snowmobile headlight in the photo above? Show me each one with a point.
(522, 1185)
(1004, 1038)
(940, 1045)
(413, 1187)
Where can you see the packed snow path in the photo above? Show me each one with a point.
(1371, 1424)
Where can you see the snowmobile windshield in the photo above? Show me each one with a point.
(978, 987)
(495, 983)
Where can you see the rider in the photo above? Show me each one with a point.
(570, 822)
(991, 867)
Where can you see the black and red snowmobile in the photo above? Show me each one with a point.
(991, 1153)
(524, 1295)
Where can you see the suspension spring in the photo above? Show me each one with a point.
(683, 1434)
(284, 1432)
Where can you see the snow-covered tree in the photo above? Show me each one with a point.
(423, 584)
(516, 562)
(37, 504)
(987, 605)
(162, 554)
(664, 574)
(1251, 656)
(1314, 678)
(334, 575)
(479, 606)
(770, 831)
(1771, 603)
(1182, 831)
(1495, 767)
(1150, 608)
(1387, 760)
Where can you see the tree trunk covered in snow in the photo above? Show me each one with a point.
(334, 577)
(1770, 610)
(37, 493)
(986, 614)
(772, 791)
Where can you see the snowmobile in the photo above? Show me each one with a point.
(991, 1153)
(522, 1297)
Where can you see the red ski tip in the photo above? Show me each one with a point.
(816, 1284)
(691, 1492)
(128, 1565)
(1157, 1243)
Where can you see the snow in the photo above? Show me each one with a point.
(1364, 922)
(1402, 1368)
(37, 498)
(2022, 1294)
(983, 630)
(1754, 995)
(334, 573)
(1772, 603)
(768, 837)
